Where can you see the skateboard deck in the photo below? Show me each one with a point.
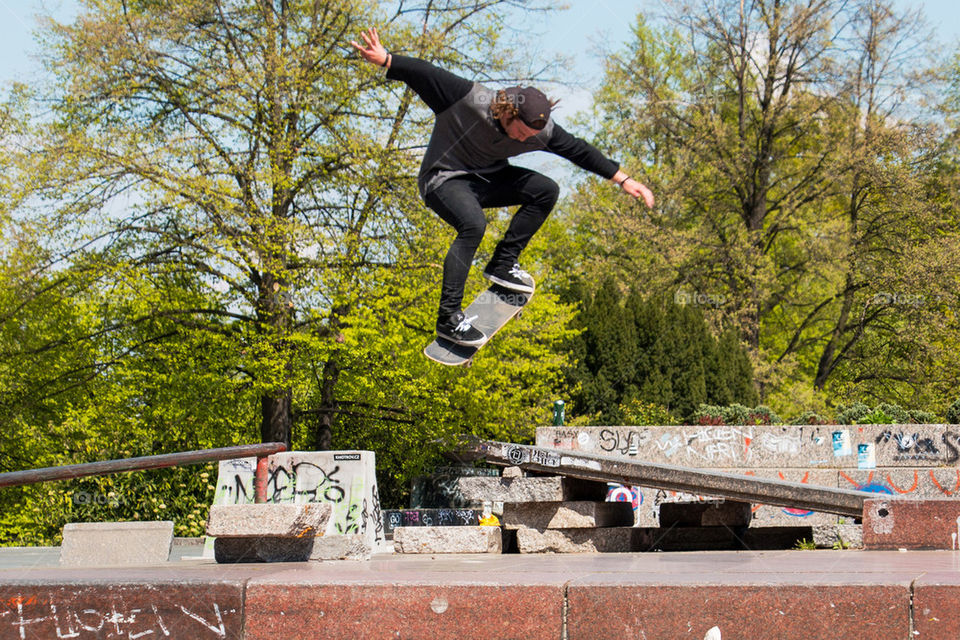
(494, 307)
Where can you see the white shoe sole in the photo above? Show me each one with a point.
(513, 286)
(464, 343)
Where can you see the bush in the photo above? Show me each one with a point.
(637, 413)
(953, 413)
(852, 414)
(735, 414)
(883, 413)
(811, 417)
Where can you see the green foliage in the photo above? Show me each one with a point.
(214, 236)
(811, 417)
(953, 412)
(734, 414)
(883, 413)
(805, 545)
(640, 350)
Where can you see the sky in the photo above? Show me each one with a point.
(581, 33)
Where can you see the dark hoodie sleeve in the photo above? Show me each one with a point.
(435, 86)
(581, 153)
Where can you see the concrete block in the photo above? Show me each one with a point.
(270, 549)
(94, 544)
(346, 480)
(611, 540)
(278, 520)
(542, 489)
(567, 515)
(911, 524)
(447, 540)
(706, 514)
(846, 536)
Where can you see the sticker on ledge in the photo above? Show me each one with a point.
(841, 443)
(866, 456)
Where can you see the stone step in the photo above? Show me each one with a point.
(609, 540)
(393, 518)
(532, 489)
(447, 540)
(567, 515)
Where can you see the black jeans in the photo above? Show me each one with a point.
(460, 202)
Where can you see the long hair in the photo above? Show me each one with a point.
(502, 105)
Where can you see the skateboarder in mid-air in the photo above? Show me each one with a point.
(465, 170)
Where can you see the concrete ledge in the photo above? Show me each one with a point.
(792, 595)
(279, 520)
(96, 544)
(457, 539)
(567, 515)
(911, 524)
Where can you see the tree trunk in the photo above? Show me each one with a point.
(276, 413)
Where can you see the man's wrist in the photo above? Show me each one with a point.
(386, 60)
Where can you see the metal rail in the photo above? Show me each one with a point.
(779, 493)
(69, 472)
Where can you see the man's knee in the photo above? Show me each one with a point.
(471, 230)
(544, 190)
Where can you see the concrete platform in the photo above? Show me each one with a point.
(748, 595)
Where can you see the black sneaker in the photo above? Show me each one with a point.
(513, 278)
(457, 329)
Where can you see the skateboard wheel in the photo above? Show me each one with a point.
(468, 363)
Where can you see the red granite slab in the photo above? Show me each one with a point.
(936, 603)
(740, 611)
(911, 524)
(408, 600)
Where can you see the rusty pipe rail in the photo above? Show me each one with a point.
(71, 471)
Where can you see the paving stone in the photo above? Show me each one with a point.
(610, 540)
(567, 515)
(95, 544)
(447, 540)
(911, 524)
(278, 520)
(705, 514)
(542, 489)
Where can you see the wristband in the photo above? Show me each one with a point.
(386, 60)
(623, 182)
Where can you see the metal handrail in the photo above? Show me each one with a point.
(71, 471)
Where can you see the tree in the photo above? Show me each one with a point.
(797, 185)
(239, 141)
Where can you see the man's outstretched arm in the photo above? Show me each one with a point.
(436, 87)
(586, 156)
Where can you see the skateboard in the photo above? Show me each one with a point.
(494, 307)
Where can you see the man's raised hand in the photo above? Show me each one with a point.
(639, 190)
(373, 51)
